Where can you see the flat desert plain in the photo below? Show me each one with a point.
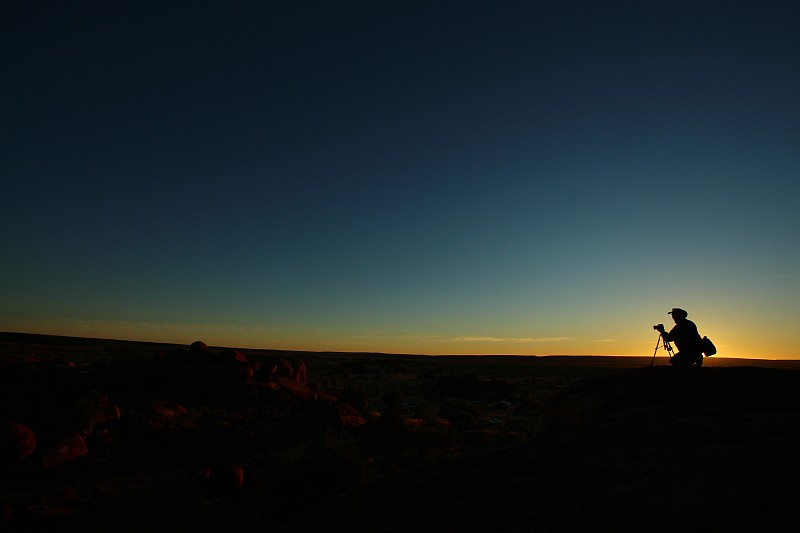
(132, 436)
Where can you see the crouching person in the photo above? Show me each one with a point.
(686, 339)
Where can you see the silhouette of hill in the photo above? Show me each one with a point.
(650, 449)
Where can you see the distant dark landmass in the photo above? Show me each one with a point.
(610, 360)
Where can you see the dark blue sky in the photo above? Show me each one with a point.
(463, 177)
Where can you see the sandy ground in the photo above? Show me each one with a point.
(439, 444)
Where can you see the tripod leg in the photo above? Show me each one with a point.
(658, 342)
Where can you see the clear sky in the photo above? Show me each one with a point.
(416, 177)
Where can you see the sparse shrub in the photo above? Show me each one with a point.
(529, 404)
(437, 440)
(391, 422)
(428, 375)
(323, 467)
(423, 411)
(524, 426)
(460, 414)
(463, 386)
(357, 398)
(393, 398)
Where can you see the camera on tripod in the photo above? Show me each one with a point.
(662, 342)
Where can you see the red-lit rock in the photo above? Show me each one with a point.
(349, 417)
(413, 423)
(167, 409)
(284, 369)
(225, 479)
(17, 441)
(232, 357)
(96, 410)
(298, 390)
(65, 451)
(300, 372)
(100, 440)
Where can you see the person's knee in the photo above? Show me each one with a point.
(680, 359)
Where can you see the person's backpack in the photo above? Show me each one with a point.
(708, 347)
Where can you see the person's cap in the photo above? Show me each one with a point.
(678, 312)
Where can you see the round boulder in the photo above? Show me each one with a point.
(198, 347)
(17, 442)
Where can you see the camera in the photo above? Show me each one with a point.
(658, 327)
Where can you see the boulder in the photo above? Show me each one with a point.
(284, 368)
(225, 479)
(198, 347)
(17, 442)
(198, 353)
(167, 409)
(230, 356)
(349, 417)
(95, 409)
(413, 423)
(264, 370)
(298, 390)
(69, 449)
(100, 440)
(300, 371)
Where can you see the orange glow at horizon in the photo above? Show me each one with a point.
(730, 343)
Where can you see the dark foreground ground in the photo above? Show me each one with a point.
(138, 436)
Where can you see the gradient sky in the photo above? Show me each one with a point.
(415, 177)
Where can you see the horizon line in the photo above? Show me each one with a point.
(57, 336)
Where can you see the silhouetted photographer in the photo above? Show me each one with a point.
(686, 338)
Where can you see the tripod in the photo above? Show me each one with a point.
(666, 345)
